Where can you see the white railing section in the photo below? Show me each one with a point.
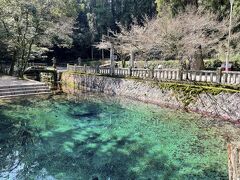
(141, 73)
(104, 71)
(220, 77)
(166, 74)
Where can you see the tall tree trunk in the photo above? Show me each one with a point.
(26, 59)
(13, 63)
(132, 59)
(92, 53)
(196, 63)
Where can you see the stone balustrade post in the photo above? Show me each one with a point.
(85, 68)
(97, 69)
(211, 77)
(219, 75)
(151, 72)
(180, 74)
(130, 71)
(112, 71)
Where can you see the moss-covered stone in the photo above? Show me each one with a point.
(188, 93)
(185, 92)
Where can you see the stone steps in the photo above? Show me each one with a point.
(23, 86)
(24, 90)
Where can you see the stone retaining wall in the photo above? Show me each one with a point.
(223, 105)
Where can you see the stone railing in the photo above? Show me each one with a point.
(220, 77)
(36, 64)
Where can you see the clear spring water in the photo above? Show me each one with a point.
(95, 137)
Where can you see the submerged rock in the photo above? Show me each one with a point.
(85, 115)
(95, 178)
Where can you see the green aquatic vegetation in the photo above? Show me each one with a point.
(123, 139)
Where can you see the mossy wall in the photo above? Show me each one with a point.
(211, 101)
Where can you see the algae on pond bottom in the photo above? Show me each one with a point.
(111, 138)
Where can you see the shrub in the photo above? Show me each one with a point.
(212, 64)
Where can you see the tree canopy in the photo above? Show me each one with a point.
(69, 29)
(220, 7)
(29, 28)
(97, 17)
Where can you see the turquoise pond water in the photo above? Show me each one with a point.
(95, 137)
